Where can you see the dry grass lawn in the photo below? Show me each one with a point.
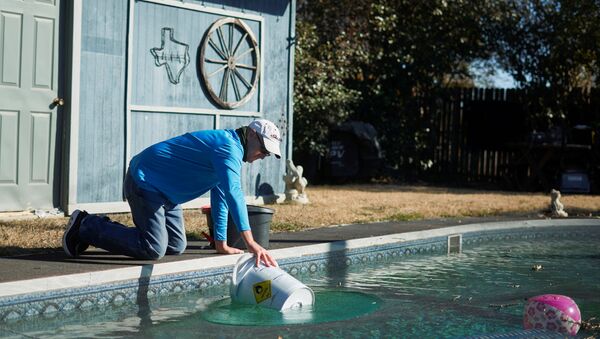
(332, 205)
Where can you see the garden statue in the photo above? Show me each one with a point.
(556, 207)
(295, 184)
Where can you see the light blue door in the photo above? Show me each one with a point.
(28, 117)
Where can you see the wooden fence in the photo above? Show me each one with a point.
(492, 136)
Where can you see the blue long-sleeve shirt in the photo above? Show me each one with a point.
(185, 167)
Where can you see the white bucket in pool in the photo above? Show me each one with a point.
(267, 286)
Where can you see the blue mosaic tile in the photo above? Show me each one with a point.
(521, 334)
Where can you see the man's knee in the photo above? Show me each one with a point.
(153, 253)
(178, 248)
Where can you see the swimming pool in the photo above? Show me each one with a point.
(418, 289)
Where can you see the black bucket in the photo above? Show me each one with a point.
(260, 224)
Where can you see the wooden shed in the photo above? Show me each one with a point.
(87, 84)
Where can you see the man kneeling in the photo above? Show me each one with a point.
(174, 171)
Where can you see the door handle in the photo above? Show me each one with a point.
(58, 101)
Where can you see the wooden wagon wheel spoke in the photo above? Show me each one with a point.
(239, 43)
(216, 61)
(217, 49)
(222, 41)
(244, 66)
(224, 85)
(233, 88)
(236, 90)
(230, 39)
(217, 71)
(242, 78)
(246, 52)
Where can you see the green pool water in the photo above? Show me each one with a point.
(480, 291)
(330, 306)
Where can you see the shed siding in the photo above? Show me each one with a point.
(102, 101)
(150, 84)
(104, 110)
(148, 128)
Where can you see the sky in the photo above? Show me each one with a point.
(500, 79)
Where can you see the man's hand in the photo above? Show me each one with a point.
(221, 246)
(260, 253)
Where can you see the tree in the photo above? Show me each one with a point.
(415, 49)
(321, 98)
(551, 48)
(326, 56)
(377, 61)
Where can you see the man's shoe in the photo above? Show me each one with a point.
(72, 244)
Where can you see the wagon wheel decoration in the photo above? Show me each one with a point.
(230, 62)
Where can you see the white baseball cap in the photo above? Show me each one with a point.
(270, 134)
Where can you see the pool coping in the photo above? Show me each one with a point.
(84, 280)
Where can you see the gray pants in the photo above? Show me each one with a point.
(159, 227)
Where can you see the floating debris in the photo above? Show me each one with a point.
(537, 267)
(503, 305)
(592, 325)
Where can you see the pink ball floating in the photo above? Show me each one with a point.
(552, 312)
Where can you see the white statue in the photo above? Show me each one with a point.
(556, 207)
(295, 184)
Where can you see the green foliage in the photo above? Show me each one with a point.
(321, 97)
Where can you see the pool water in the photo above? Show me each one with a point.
(480, 291)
